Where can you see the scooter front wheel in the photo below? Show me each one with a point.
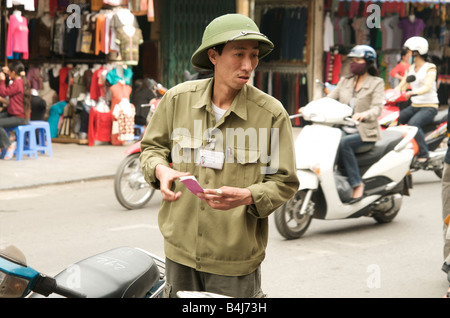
(131, 190)
(288, 220)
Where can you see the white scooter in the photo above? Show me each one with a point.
(324, 191)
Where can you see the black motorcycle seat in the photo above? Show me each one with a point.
(123, 272)
(389, 139)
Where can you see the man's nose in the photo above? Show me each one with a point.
(247, 64)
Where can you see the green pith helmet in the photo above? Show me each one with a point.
(226, 28)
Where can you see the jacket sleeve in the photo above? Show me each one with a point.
(156, 143)
(403, 85)
(376, 106)
(334, 94)
(10, 90)
(280, 182)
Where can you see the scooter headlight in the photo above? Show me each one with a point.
(12, 286)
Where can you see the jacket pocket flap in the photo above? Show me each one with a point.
(244, 156)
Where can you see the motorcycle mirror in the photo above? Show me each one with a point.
(410, 78)
(16, 279)
(13, 254)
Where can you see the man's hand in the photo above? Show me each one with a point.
(226, 198)
(166, 176)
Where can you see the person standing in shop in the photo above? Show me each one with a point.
(215, 240)
(19, 109)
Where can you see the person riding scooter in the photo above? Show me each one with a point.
(364, 92)
(424, 99)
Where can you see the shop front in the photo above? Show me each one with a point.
(89, 63)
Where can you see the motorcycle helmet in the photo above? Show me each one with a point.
(417, 43)
(226, 28)
(363, 51)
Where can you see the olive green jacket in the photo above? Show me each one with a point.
(368, 101)
(231, 242)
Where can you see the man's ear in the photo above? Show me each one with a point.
(212, 55)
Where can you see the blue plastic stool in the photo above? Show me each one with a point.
(43, 136)
(141, 131)
(26, 141)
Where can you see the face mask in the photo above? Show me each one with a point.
(358, 68)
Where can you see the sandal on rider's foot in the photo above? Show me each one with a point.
(358, 198)
(423, 161)
(10, 151)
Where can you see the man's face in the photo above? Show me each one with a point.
(238, 60)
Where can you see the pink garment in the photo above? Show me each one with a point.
(97, 88)
(17, 38)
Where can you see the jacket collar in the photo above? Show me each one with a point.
(239, 105)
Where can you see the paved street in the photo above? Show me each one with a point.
(58, 225)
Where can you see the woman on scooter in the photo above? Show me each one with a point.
(364, 92)
(423, 94)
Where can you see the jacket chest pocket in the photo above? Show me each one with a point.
(184, 153)
(242, 168)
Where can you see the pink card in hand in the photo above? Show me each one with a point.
(192, 184)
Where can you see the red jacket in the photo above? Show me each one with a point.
(15, 93)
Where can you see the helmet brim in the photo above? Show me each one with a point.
(201, 60)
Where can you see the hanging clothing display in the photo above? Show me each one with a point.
(17, 37)
(289, 87)
(124, 113)
(286, 27)
(28, 4)
(129, 38)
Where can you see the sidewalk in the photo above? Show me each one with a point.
(70, 162)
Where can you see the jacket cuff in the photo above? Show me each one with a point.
(150, 173)
(262, 205)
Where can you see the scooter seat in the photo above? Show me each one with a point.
(389, 139)
(440, 117)
(123, 272)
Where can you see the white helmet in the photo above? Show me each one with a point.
(417, 43)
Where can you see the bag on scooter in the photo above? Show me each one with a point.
(343, 187)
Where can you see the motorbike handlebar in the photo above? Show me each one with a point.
(295, 116)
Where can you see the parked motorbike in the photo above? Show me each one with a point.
(324, 191)
(123, 272)
(130, 187)
(435, 132)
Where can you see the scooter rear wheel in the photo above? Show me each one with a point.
(131, 190)
(288, 220)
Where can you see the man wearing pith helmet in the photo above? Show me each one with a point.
(237, 142)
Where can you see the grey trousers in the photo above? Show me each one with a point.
(183, 278)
